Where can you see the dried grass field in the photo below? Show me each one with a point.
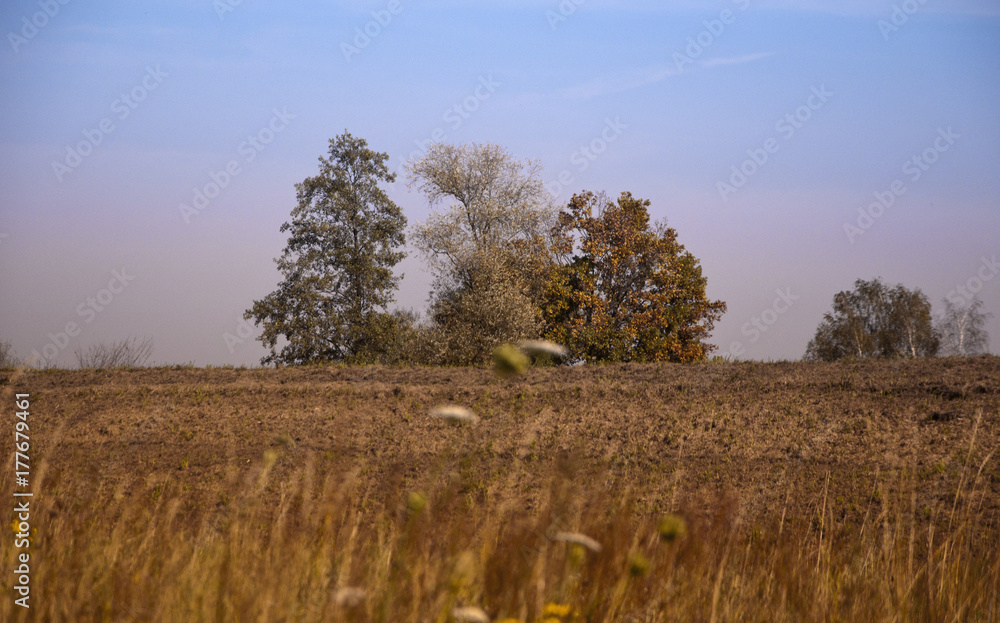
(715, 492)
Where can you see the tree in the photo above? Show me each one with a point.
(337, 264)
(962, 329)
(478, 247)
(623, 290)
(875, 321)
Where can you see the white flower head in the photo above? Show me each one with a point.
(470, 614)
(544, 347)
(579, 539)
(455, 413)
(349, 596)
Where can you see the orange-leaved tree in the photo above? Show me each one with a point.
(623, 290)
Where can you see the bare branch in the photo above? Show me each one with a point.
(128, 353)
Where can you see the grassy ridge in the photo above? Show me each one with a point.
(807, 492)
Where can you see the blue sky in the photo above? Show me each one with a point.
(155, 100)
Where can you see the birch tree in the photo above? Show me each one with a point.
(875, 321)
(963, 329)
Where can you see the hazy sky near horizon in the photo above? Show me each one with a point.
(794, 147)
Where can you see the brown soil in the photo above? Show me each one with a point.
(794, 436)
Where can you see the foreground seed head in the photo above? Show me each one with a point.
(470, 614)
(579, 539)
(455, 413)
(349, 596)
(544, 348)
(672, 528)
(508, 360)
(416, 501)
(638, 565)
(465, 570)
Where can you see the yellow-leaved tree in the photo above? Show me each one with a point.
(621, 289)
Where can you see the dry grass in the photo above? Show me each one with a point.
(807, 492)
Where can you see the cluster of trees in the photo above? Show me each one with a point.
(875, 320)
(596, 276)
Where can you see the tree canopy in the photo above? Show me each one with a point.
(875, 321)
(475, 247)
(622, 289)
(597, 277)
(343, 243)
(962, 328)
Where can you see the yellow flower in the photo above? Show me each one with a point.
(638, 565)
(510, 361)
(416, 501)
(556, 610)
(671, 528)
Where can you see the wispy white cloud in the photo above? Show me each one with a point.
(103, 31)
(637, 78)
(735, 60)
(96, 30)
(606, 85)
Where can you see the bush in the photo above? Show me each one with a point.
(128, 353)
(389, 339)
(471, 322)
(8, 358)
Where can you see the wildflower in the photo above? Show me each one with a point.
(470, 614)
(536, 348)
(416, 501)
(509, 361)
(579, 539)
(638, 565)
(671, 528)
(454, 413)
(559, 611)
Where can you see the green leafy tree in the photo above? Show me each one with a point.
(337, 265)
(622, 289)
(875, 321)
(478, 248)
